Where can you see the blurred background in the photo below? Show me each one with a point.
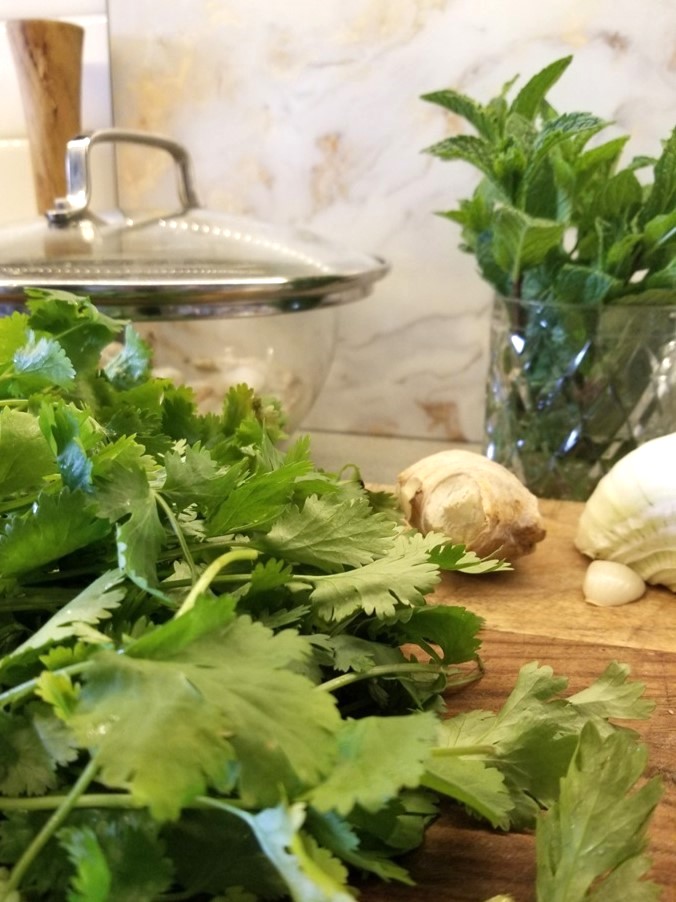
(308, 114)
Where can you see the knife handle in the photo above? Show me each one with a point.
(48, 59)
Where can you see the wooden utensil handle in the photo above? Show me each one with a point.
(48, 58)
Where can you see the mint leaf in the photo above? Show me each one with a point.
(621, 196)
(529, 99)
(662, 196)
(521, 241)
(469, 148)
(599, 822)
(464, 106)
(582, 284)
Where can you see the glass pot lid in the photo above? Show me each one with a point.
(191, 263)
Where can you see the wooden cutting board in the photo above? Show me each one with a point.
(537, 613)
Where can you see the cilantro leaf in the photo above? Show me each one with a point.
(70, 433)
(170, 726)
(152, 731)
(342, 838)
(614, 695)
(400, 745)
(532, 739)
(305, 873)
(80, 328)
(454, 629)
(127, 844)
(25, 456)
(196, 844)
(193, 477)
(330, 534)
(257, 501)
(13, 335)
(456, 557)
(598, 824)
(403, 577)
(58, 524)
(39, 364)
(92, 879)
(473, 783)
(124, 496)
(32, 745)
(131, 365)
(90, 606)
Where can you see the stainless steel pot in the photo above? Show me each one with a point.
(191, 262)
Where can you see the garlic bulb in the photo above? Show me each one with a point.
(631, 515)
(474, 501)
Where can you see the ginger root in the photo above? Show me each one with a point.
(474, 501)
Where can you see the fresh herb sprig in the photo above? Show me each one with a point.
(554, 219)
(220, 675)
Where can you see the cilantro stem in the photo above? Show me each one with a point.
(454, 679)
(394, 670)
(91, 800)
(51, 826)
(210, 573)
(14, 402)
(458, 750)
(17, 693)
(178, 532)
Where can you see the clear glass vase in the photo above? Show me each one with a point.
(574, 387)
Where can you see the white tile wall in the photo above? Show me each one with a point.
(17, 196)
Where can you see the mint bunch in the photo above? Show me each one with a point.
(556, 217)
(219, 674)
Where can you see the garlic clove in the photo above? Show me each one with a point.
(609, 583)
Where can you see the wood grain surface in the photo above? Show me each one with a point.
(537, 613)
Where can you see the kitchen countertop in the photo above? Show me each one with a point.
(536, 612)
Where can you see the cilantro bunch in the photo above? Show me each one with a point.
(555, 219)
(219, 675)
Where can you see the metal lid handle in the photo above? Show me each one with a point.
(78, 191)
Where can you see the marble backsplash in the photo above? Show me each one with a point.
(308, 113)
